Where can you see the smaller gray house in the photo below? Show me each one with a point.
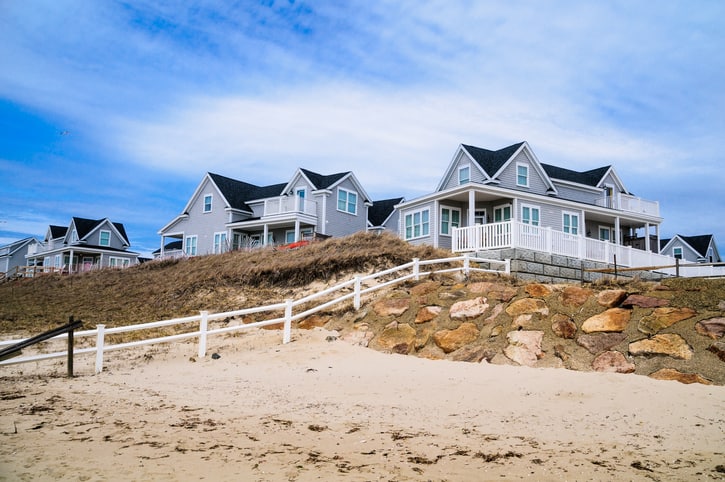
(83, 245)
(227, 214)
(694, 249)
(13, 255)
(383, 215)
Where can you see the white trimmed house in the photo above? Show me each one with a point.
(12, 256)
(226, 214)
(507, 198)
(693, 249)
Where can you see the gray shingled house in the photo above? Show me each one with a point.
(694, 249)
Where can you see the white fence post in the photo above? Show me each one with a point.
(287, 322)
(416, 268)
(203, 325)
(357, 293)
(99, 347)
(466, 264)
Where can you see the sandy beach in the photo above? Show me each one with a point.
(321, 409)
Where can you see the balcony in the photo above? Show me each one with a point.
(282, 205)
(631, 204)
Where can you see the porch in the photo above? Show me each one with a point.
(515, 234)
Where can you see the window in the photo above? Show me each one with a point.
(479, 217)
(530, 215)
(571, 223)
(74, 236)
(346, 201)
(417, 224)
(464, 174)
(677, 252)
(289, 236)
(190, 246)
(207, 203)
(522, 175)
(115, 262)
(604, 233)
(450, 218)
(57, 261)
(220, 242)
(105, 238)
(301, 193)
(502, 213)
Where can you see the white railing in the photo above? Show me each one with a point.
(352, 289)
(514, 234)
(633, 204)
(289, 204)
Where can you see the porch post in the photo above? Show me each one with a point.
(322, 223)
(646, 237)
(617, 236)
(161, 252)
(471, 207)
(657, 234)
(297, 230)
(265, 232)
(70, 262)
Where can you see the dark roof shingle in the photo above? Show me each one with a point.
(380, 210)
(491, 161)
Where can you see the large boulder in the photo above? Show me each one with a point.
(718, 348)
(524, 347)
(396, 337)
(678, 376)
(669, 344)
(314, 321)
(614, 319)
(427, 313)
(468, 309)
(575, 296)
(714, 327)
(527, 306)
(538, 290)
(611, 298)
(473, 354)
(563, 326)
(494, 291)
(392, 306)
(644, 301)
(662, 318)
(452, 340)
(424, 288)
(599, 342)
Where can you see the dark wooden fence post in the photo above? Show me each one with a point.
(70, 348)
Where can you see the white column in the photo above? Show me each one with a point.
(617, 236)
(323, 221)
(657, 233)
(471, 207)
(161, 251)
(265, 232)
(70, 262)
(646, 237)
(297, 230)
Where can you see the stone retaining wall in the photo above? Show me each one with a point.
(554, 268)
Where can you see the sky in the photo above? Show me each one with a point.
(118, 109)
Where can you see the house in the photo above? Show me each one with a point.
(695, 249)
(12, 255)
(491, 199)
(224, 213)
(382, 215)
(83, 245)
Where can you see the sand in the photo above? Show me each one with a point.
(325, 410)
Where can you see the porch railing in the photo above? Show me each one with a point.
(632, 204)
(514, 234)
(289, 204)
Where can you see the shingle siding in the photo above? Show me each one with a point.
(508, 177)
(340, 223)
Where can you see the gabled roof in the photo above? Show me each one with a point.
(698, 243)
(491, 161)
(11, 248)
(237, 193)
(381, 210)
(321, 181)
(57, 231)
(86, 226)
(172, 246)
(589, 178)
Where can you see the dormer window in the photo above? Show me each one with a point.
(207, 203)
(522, 175)
(74, 236)
(105, 238)
(464, 174)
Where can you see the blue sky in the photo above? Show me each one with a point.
(117, 109)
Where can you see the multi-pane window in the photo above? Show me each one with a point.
(115, 262)
(450, 218)
(207, 203)
(346, 201)
(522, 175)
(530, 215)
(604, 233)
(571, 223)
(220, 242)
(464, 174)
(104, 238)
(417, 224)
(677, 252)
(190, 246)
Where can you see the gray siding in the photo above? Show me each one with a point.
(462, 159)
(433, 230)
(95, 237)
(578, 195)
(537, 185)
(341, 223)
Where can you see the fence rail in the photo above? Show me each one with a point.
(351, 289)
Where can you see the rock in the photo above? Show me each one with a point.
(662, 318)
(391, 337)
(424, 288)
(600, 342)
(427, 313)
(672, 374)
(721, 305)
(431, 352)
(644, 301)
(392, 306)
(423, 335)
(494, 291)
(575, 296)
(494, 313)
(215, 356)
(718, 348)
(314, 321)
(714, 327)
(496, 330)
(612, 362)
(614, 319)
(538, 290)
(560, 352)
(611, 298)
(469, 308)
(358, 338)
(473, 354)
(522, 321)
(452, 340)
(669, 344)
(528, 305)
(524, 347)
(563, 326)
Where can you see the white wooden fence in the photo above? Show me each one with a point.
(352, 289)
